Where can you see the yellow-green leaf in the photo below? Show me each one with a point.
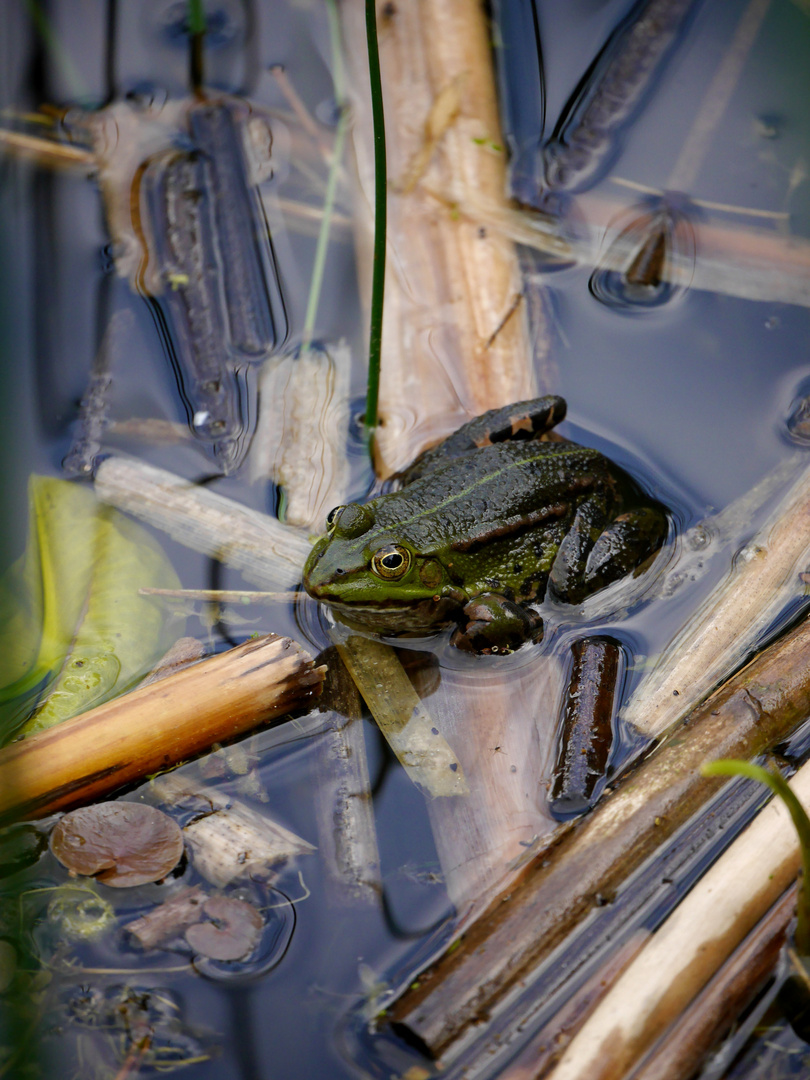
(75, 631)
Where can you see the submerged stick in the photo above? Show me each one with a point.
(153, 728)
(347, 835)
(447, 351)
(684, 953)
(763, 578)
(720, 1004)
(268, 554)
(586, 735)
(758, 707)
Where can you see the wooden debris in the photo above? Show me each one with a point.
(230, 840)
(684, 953)
(754, 710)
(448, 351)
(619, 77)
(763, 577)
(93, 420)
(238, 842)
(153, 728)
(168, 919)
(346, 828)
(586, 735)
(268, 553)
(718, 1007)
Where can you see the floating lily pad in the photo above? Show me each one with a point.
(233, 933)
(120, 843)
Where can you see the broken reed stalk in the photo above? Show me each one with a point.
(762, 579)
(268, 553)
(153, 728)
(686, 950)
(754, 710)
(455, 340)
(718, 1007)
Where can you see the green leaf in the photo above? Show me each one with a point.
(73, 629)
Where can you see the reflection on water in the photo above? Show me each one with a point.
(171, 255)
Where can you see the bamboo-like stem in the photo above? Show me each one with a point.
(154, 728)
(684, 953)
(718, 1007)
(762, 578)
(449, 282)
(758, 707)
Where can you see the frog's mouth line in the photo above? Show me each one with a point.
(397, 617)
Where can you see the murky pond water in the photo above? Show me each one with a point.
(159, 302)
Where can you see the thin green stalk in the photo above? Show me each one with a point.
(779, 786)
(316, 282)
(196, 29)
(61, 57)
(380, 190)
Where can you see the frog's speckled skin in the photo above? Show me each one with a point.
(494, 524)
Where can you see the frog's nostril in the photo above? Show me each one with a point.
(338, 570)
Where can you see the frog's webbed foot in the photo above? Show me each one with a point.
(495, 624)
(590, 557)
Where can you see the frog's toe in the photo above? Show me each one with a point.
(494, 624)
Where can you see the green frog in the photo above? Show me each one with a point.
(484, 524)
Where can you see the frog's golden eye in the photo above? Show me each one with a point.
(332, 516)
(391, 562)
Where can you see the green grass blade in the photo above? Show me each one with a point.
(380, 223)
(780, 787)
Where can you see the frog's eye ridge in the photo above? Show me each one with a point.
(391, 562)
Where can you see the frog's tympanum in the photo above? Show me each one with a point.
(484, 524)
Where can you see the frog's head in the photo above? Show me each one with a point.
(376, 579)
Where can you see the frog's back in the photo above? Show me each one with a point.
(491, 487)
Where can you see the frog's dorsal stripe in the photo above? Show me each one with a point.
(560, 450)
(512, 526)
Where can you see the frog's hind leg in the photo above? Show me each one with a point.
(629, 542)
(523, 420)
(590, 557)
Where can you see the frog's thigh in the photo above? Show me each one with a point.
(567, 578)
(627, 543)
(495, 624)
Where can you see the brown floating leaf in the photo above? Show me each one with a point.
(232, 934)
(121, 843)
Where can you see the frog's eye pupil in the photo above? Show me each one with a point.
(391, 562)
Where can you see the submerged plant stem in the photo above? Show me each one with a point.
(196, 30)
(380, 186)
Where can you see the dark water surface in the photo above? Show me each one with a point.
(690, 391)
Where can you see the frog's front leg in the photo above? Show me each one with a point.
(494, 624)
(592, 556)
